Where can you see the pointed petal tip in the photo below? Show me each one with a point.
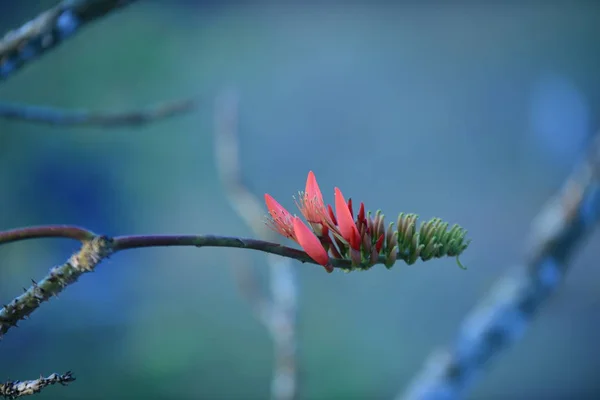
(312, 187)
(273, 205)
(311, 179)
(269, 198)
(311, 204)
(278, 218)
(331, 214)
(361, 211)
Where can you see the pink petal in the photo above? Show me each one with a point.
(345, 221)
(311, 244)
(280, 217)
(312, 190)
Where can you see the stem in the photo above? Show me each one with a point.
(49, 231)
(134, 242)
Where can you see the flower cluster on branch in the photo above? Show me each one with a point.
(364, 240)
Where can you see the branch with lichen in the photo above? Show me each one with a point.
(16, 389)
(277, 311)
(85, 260)
(502, 317)
(51, 28)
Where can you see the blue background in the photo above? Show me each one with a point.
(473, 113)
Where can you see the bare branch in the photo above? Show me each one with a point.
(49, 29)
(50, 231)
(15, 389)
(55, 116)
(501, 318)
(95, 248)
(120, 243)
(277, 312)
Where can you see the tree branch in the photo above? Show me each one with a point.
(85, 260)
(95, 248)
(55, 116)
(501, 318)
(49, 231)
(15, 389)
(49, 29)
(277, 311)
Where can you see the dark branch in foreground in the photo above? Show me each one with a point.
(15, 389)
(55, 116)
(49, 29)
(501, 318)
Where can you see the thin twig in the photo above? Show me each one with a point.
(277, 312)
(49, 29)
(501, 318)
(48, 231)
(55, 116)
(15, 389)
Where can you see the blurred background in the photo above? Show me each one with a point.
(473, 113)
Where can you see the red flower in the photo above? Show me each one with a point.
(292, 227)
(311, 203)
(345, 221)
(281, 220)
(313, 208)
(311, 244)
(317, 242)
(365, 241)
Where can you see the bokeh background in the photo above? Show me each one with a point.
(473, 113)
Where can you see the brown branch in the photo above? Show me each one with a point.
(39, 232)
(54, 116)
(15, 389)
(277, 311)
(501, 318)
